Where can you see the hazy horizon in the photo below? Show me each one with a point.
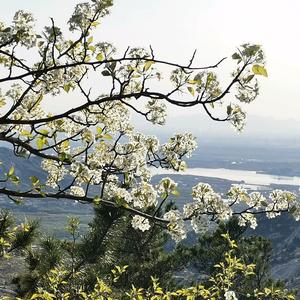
(215, 28)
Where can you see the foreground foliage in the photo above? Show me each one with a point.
(66, 269)
(91, 153)
(59, 285)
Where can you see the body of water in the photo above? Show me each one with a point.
(249, 177)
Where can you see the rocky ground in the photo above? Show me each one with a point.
(8, 269)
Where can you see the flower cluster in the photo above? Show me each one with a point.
(55, 170)
(176, 225)
(77, 191)
(166, 186)
(55, 81)
(207, 201)
(119, 195)
(177, 147)
(236, 116)
(114, 115)
(140, 223)
(85, 13)
(248, 219)
(5, 36)
(30, 107)
(84, 174)
(202, 224)
(157, 112)
(282, 201)
(81, 17)
(23, 30)
(144, 195)
(230, 295)
(208, 84)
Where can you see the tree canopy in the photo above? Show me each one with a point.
(91, 152)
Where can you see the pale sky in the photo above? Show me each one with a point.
(215, 27)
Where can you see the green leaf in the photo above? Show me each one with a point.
(107, 136)
(132, 68)
(229, 110)
(90, 39)
(65, 144)
(148, 65)
(43, 131)
(105, 73)
(120, 202)
(264, 203)
(15, 179)
(259, 70)
(97, 200)
(99, 130)
(209, 79)
(175, 193)
(163, 195)
(17, 201)
(39, 99)
(92, 48)
(190, 81)
(65, 157)
(34, 180)
(2, 102)
(113, 65)
(99, 57)
(236, 56)
(95, 24)
(191, 90)
(249, 78)
(11, 171)
(87, 58)
(26, 133)
(67, 87)
(40, 142)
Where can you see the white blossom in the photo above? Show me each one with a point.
(157, 112)
(248, 219)
(237, 117)
(178, 146)
(144, 195)
(114, 115)
(256, 200)
(116, 193)
(210, 202)
(230, 295)
(237, 194)
(280, 201)
(77, 191)
(23, 29)
(295, 210)
(152, 143)
(81, 16)
(56, 172)
(166, 185)
(176, 225)
(84, 174)
(141, 223)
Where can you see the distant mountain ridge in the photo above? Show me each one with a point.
(259, 131)
(283, 231)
